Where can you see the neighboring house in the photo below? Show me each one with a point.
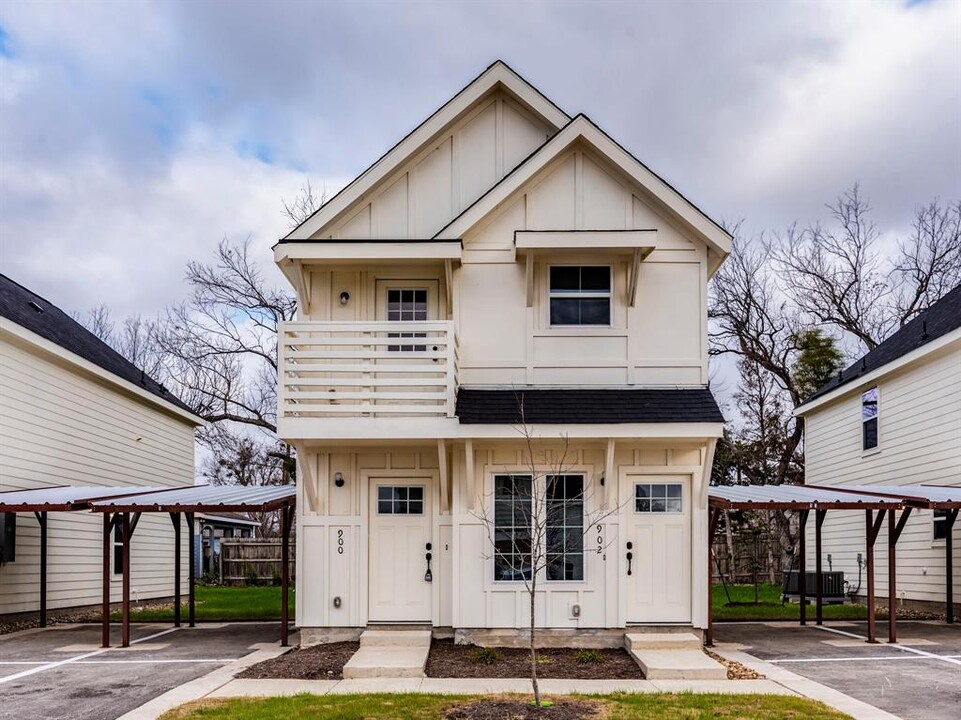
(75, 412)
(211, 529)
(502, 255)
(893, 418)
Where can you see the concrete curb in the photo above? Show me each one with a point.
(490, 686)
(205, 685)
(810, 689)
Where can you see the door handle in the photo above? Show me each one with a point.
(630, 556)
(428, 576)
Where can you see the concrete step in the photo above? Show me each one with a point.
(395, 638)
(662, 641)
(678, 665)
(387, 662)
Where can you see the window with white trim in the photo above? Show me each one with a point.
(580, 295)
(118, 548)
(869, 419)
(400, 500)
(940, 524)
(562, 520)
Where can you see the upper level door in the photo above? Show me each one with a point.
(658, 530)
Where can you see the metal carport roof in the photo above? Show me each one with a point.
(795, 497)
(942, 497)
(203, 498)
(61, 498)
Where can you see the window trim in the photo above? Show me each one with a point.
(656, 513)
(587, 475)
(572, 295)
(877, 418)
(423, 500)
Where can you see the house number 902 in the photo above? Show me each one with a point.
(340, 542)
(600, 539)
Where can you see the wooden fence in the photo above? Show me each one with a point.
(245, 561)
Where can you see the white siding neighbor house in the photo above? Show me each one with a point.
(75, 412)
(894, 418)
(505, 270)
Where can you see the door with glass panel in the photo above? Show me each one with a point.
(656, 550)
(401, 553)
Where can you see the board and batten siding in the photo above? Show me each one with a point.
(919, 443)
(61, 426)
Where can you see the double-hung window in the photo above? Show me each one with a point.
(869, 419)
(580, 295)
(553, 529)
(941, 524)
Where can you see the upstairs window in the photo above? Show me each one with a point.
(869, 419)
(580, 295)
(405, 305)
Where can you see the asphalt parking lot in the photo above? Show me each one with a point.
(919, 678)
(62, 673)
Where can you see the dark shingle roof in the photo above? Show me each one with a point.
(939, 319)
(587, 406)
(29, 310)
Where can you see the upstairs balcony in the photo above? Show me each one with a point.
(366, 370)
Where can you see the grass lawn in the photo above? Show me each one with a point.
(770, 607)
(220, 604)
(432, 707)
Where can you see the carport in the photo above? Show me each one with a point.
(61, 498)
(928, 497)
(126, 511)
(803, 499)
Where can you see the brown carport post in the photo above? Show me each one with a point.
(191, 580)
(819, 516)
(894, 533)
(286, 520)
(949, 566)
(872, 529)
(42, 519)
(175, 519)
(802, 569)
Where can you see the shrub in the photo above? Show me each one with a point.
(484, 656)
(589, 657)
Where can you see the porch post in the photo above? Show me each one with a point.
(802, 569)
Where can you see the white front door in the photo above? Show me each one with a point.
(400, 540)
(659, 535)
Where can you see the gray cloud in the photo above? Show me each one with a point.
(134, 136)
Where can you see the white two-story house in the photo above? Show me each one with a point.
(504, 271)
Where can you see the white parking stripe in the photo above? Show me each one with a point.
(58, 663)
(944, 658)
(865, 658)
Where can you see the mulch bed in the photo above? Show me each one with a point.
(522, 710)
(447, 660)
(318, 662)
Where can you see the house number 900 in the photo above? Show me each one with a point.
(340, 542)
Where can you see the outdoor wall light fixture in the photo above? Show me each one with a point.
(344, 297)
(339, 479)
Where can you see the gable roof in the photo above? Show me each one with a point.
(497, 75)
(39, 316)
(587, 406)
(581, 128)
(937, 321)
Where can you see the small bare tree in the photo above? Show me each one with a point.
(304, 204)
(527, 519)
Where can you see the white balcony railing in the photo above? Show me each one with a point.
(367, 369)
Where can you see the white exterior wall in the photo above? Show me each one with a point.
(919, 443)
(464, 592)
(60, 426)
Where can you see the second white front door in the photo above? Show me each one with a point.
(659, 540)
(400, 541)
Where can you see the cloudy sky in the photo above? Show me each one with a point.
(133, 136)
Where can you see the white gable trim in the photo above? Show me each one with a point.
(498, 74)
(581, 128)
(855, 385)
